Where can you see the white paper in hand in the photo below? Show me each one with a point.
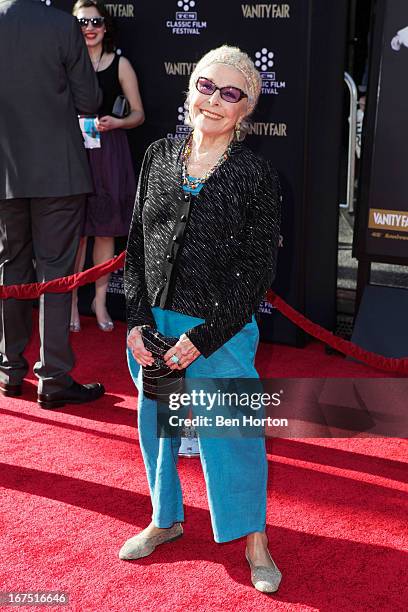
(91, 136)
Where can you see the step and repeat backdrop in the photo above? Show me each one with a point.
(383, 206)
(381, 229)
(163, 39)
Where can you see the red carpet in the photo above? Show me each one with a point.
(74, 489)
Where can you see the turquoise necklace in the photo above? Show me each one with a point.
(192, 182)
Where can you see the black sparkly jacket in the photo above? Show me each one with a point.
(211, 255)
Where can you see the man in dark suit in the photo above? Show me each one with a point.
(46, 80)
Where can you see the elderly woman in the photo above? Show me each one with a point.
(201, 253)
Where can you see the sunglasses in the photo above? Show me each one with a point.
(229, 93)
(96, 22)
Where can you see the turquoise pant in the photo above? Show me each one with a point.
(235, 469)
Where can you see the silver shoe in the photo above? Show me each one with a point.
(265, 579)
(75, 326)
(106, 326)
(142, 546)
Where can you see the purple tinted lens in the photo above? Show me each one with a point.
(205, 86)
(230, 94)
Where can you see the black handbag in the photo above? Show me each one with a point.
(121, 107)
(159, 381)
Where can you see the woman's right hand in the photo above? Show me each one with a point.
(107, 123)
(139, 352)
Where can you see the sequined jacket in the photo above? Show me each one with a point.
(211, 255)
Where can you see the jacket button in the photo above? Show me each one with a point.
(186, 197)
(169, 258)
(165, 278)
(174, 238)
(183, 218)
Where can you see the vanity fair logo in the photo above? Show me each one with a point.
(181, 128)
(179, 68)
(268, 129)
(121, 10)
(186, 19)
(265, 61)
(265, 11)
(394, 220)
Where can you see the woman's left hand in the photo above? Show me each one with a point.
(185, 351)
(106, 123)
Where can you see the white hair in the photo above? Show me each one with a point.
(230, 56)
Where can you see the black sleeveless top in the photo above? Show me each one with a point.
(109, 83)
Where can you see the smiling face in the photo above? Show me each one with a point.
(211, 114)
(93, 36)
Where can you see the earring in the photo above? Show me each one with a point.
(237, 131)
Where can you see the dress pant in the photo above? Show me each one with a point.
(235, 469)
(39, 239)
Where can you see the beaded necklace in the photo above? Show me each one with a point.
(192, 182)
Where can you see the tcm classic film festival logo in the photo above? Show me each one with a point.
(186, 20)
(265, 62)
(181, 128)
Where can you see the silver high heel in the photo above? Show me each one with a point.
(106, 326)
(265, 579)
(142, 546)
(75, 323)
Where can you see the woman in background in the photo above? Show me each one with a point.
(109, 208)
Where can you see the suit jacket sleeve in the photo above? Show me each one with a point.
(138, 310)
(81, 76)
(252, 273)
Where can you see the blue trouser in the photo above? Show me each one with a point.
(235, 469)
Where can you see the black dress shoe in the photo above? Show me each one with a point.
(75, 394)
(10, 390)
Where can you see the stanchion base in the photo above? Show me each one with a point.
(189, 447)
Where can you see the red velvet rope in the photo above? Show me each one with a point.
(68, 283)
(380, 362)
(31, 291)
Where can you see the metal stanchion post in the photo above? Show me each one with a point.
(189, 442)
(349, 205)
